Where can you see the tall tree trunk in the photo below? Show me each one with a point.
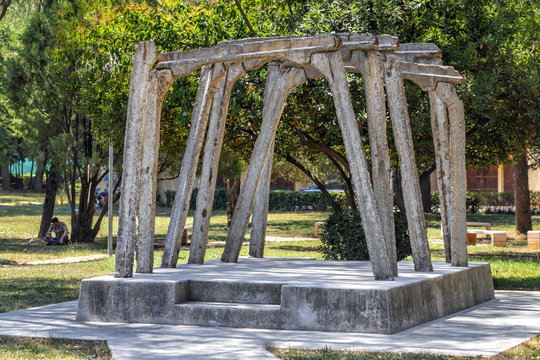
(425, 188)
(6, 177)
(32, 179)
(521, 194)
(398, 193)
(48, 203)
(232, 193)
(38, 180)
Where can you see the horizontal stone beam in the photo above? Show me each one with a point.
(419, 53)
(295, 49)
(427, 76)
(365, 41)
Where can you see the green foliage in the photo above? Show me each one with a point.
(287, 200)
(472, 201)
(493, 198)
(280, 200)
(489, 198)
(343, 238)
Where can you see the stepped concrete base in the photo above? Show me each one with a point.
(285, 293)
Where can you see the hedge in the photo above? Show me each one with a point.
(490, 199)
(281, 200)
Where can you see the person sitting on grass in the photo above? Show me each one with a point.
(60, 231)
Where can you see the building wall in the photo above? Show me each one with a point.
(493, 179)
(534, 179)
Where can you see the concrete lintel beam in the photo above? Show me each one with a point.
(419, 52)
(427, 76)
(297, 50)
(366, 41)
(235, 47)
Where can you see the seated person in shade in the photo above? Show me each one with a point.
(60, 231)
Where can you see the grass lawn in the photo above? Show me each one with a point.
(26, 281)
(15, 347)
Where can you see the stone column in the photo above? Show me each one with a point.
(259, 218)
(212, 151)
(370, 65)
(404, 144)
(332, 67)
(160, 82)
(458, 226)
(280, 82)
(210, 76)
(145, 57)
(439, 129)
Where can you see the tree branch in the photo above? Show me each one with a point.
(5, 4)
(239, 6)
(319, 184)
(306, 140)
(349, 190)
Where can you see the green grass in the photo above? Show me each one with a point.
(12, 197)
(25, 348)
(529, 350)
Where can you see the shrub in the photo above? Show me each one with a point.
(493, 198)
(280, 200)
(473, 201)
(169, 197)
(343, 238)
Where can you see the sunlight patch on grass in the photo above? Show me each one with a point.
(25, 348)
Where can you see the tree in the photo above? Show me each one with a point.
(492, 43)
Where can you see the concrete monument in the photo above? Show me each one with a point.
(340, 303)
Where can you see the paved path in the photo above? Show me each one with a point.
(487, 329)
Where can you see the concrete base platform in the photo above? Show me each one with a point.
(277, 293)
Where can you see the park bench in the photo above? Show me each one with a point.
(318, 224)
(533, 239)
(498, 238)
(185, 236)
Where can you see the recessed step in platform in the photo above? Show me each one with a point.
(235, 292)
(266, 316)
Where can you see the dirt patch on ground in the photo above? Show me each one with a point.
(65, 260)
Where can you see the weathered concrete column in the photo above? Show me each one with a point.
(370, 65)
(458, 233)
(259, 218)
(145, 57)
(160, 82)
(332, 67)
(210, 76)
(280, 82)
(212, 151)
(410, 183)
(439, 129)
